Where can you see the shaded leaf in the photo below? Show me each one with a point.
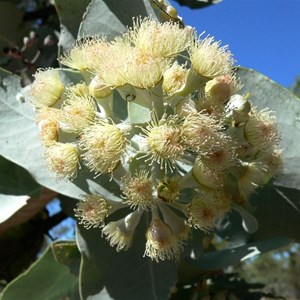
(224, 258)
(66, 253)
(20, 245)
(15, 180)
(12, 27)
(46, 279)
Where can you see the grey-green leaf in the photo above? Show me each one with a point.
(110, 17)
(70, 13)
(47, 278)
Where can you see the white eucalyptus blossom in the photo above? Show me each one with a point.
(158, 110)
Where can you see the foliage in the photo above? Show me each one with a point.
(91, 264)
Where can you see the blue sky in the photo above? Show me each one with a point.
(263, 34)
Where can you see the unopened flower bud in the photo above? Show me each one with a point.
(253, 176)
(174, 79)
(99, 90)
(237, 109)
(221, 88)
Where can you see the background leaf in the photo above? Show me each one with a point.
(70, 14)
(15, 180)
(110, 17)
(48, 278)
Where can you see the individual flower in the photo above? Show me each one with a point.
(174, 79)
(212, 178)
(206, 209)
(164, 143)
(111, 64)
(85, 54)
(92, 210)
(160, 39)
(142, 70)
(186, 107)
(46, 89)
(48, 131)
(47, 120)
(198, 131)
(104, 144)
(78, 110)
(161, 243)
(221, 154)
(261, 130)
(120, 233)
(209, 59)
(138, 190)
(63, 159)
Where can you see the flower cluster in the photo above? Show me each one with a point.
(182, 130)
